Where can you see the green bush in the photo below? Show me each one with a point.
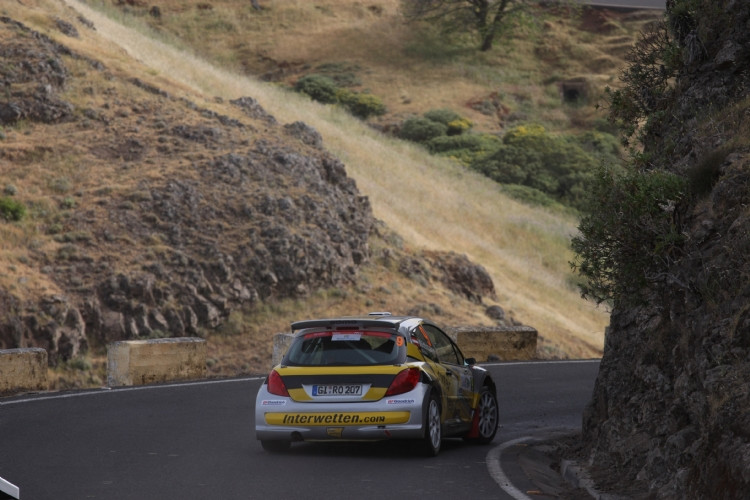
(323, 89)
(459, 126)
(601, 144)
(466, 148)
(471, 142)
(444, 116)
(648, 83)
(628, 236)
(455, 123)
(555, 165)
(320, 88)
(421, 130)
(11, 210)
(361, 105)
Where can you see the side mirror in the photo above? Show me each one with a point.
(470, 361)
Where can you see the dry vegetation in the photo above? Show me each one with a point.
(218, 52)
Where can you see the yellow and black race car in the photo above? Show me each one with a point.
(372, 378)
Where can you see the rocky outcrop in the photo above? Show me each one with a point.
(247, 216)
(53, 323)
(671, 409)
(33, 74)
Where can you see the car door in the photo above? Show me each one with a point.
(444, 377)
(459, 379)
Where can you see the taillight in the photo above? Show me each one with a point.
(276, 385)
(405, 381)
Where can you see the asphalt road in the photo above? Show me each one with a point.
(196, 441)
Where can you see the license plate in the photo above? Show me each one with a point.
(337, 390)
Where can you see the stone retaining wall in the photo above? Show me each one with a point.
(23, 370)
(140, 362)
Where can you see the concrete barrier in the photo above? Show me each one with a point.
(139, 362)
(485, 343)
(489, 343)
(281, 342)
(23, 370)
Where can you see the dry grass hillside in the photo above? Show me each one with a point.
(210, 53)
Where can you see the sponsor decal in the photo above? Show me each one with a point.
(335, 432)
(327, 419)
(273, 402)
(400, 402)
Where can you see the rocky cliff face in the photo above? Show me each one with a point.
(671, 407)
(181, 213)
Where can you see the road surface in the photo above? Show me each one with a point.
(196, 441)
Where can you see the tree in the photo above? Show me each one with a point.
(487, 17)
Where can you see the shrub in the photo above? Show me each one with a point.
(648, 82)
(320, 88)
(444, 116)
(11, 210)
(421, 130)
(361, 105)
(459, 126)
(455, 123)
(472, 142)
(601, 144)
(529, 156)
(628, 235)
(467, 148)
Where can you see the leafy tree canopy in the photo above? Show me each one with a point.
(487, 18)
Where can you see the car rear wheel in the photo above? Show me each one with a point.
(488, 415)
(275, 446)
(432, 428)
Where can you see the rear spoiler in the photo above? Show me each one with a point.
(333, 324)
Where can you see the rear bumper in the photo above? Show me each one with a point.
(278, 418)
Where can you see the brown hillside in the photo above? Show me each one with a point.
(153, 211)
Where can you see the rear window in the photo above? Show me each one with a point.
(344, 348)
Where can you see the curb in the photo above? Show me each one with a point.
(577, 476)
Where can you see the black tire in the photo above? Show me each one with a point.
(432, 427)
(488, 416)
(275, 446)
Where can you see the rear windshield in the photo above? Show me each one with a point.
(328, 348)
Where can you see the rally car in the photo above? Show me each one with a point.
(371, 378)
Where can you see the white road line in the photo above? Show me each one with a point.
(108, 390)
(9, 488)
(496, 470)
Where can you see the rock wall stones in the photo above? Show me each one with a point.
(670, 410)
